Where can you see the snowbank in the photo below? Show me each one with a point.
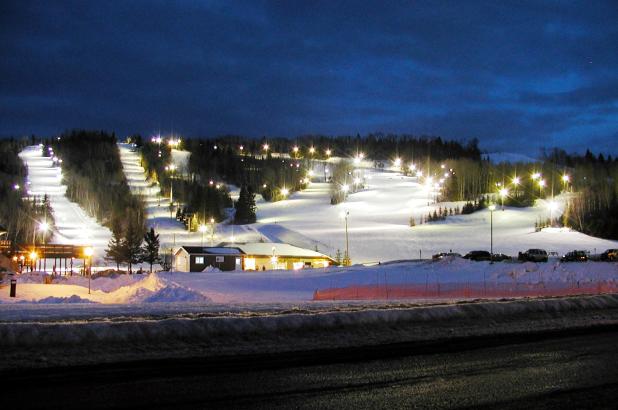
(230, 329)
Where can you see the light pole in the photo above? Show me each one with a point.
(212, 231)
(346, 257)
(171, 168)
(503, 193)
(202, 228)
(88, 252)
(492, 208)
(43, 227)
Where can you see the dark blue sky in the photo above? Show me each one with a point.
(517, 75)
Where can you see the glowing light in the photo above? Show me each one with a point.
(542, 183)
(265, 147)
(419, 173)
(33, 255)
(202, 228)
(412, 167)
(43, 226)
(566, 178)
(442, 166)
(345, 187)
(504, 192)
(516, 181)
(298, 265)
(357, 160)
(212, 220)
(310, 172)
(492, 207)
(536, 176)
(311, 150)
(552, 206)
(328, 152)
(241, 147)
(285, 191)
(88, 251)
(249, 263)
(16, 186)
(295, 149)
(397, 162)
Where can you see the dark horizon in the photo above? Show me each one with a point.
(518, 76)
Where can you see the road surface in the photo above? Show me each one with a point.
(557, 369)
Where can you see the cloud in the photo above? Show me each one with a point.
(518, 74)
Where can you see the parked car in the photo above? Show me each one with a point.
(499, 257)
(478, 256)
(575, 256)
(610, 255)
(533, 255)
(443, 255)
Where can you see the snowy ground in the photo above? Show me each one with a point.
(379, 228)
(378, 219)
(299, 286)
(73, 225)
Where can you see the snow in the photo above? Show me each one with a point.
(378, 224)
(279, 286)
(378, 221)
(73, 225)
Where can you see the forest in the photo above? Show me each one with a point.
(93, 174)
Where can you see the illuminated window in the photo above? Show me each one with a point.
(249, 263)
(199, 260)
(298, 265)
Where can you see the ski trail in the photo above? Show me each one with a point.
(73, 225)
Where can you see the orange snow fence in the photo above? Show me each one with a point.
(462, 291)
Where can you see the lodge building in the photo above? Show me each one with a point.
(248, 256)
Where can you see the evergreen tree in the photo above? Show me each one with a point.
(150, 248)
(115, 247)
(245, 206)
(133, 238)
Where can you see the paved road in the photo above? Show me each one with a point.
(543, 370)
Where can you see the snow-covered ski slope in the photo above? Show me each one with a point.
(378, 224)
(378, 221)
(73, 225)
(173, 233)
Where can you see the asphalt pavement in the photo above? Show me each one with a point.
(558, 369)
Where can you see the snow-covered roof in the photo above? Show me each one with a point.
(279, 249)
(218, 250)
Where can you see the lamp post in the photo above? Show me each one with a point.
(88, 252)
(492, 208)
(202, 228)
(212, 231)
(171, 168)
(503, 193)
(565, 180)
(43, 227)
(346, 257)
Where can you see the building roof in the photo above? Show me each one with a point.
(255, 249)
(210, 250)
(278, 249)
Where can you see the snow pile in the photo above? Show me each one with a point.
(70, 299)
(175, 294)
(234, 329)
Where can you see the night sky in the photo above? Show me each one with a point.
(517, 75)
